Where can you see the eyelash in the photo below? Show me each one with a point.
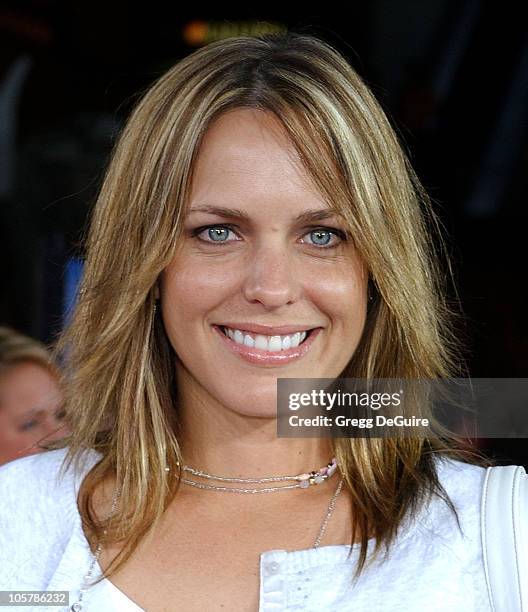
(340, 234)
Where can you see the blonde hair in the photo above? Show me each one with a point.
(18, 348)
(121, 391)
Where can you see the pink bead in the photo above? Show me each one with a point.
(323, 470)
(332, 470)
(303, 476)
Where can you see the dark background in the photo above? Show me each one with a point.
(451, 74)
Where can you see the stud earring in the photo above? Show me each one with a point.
(371, 291)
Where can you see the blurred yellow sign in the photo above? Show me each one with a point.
(197, 32)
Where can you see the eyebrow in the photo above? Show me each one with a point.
(233, 213)
(34, 412)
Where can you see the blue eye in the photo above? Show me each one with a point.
(215, 234)
(218, 233)
(321, 236)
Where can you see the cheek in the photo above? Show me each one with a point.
(342, 294)
(189, 290)
(10, 437)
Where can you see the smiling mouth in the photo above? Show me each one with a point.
(266, 343)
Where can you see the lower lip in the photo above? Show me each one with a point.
(262, 357)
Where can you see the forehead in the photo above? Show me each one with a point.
(27, 384)
(246, 161)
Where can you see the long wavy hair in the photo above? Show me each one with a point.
(122, 396)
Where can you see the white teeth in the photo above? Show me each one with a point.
(295, 339)
(275, 343)
(261, 342)
(266, 343)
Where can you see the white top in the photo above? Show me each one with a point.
(432, 566)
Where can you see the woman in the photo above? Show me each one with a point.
(30, 396)
(258, 221)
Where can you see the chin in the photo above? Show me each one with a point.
(260, 406)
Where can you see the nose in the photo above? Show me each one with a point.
(271, 278)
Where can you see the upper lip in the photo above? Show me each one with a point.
(266, 330)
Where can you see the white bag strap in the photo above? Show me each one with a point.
(504, 530)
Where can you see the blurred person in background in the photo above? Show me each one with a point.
(30, 396)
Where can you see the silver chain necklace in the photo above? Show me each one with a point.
(78, 605)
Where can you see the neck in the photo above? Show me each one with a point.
(250, 449)
(226, 443)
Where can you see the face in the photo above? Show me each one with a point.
(30, 401)
(249, 283)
